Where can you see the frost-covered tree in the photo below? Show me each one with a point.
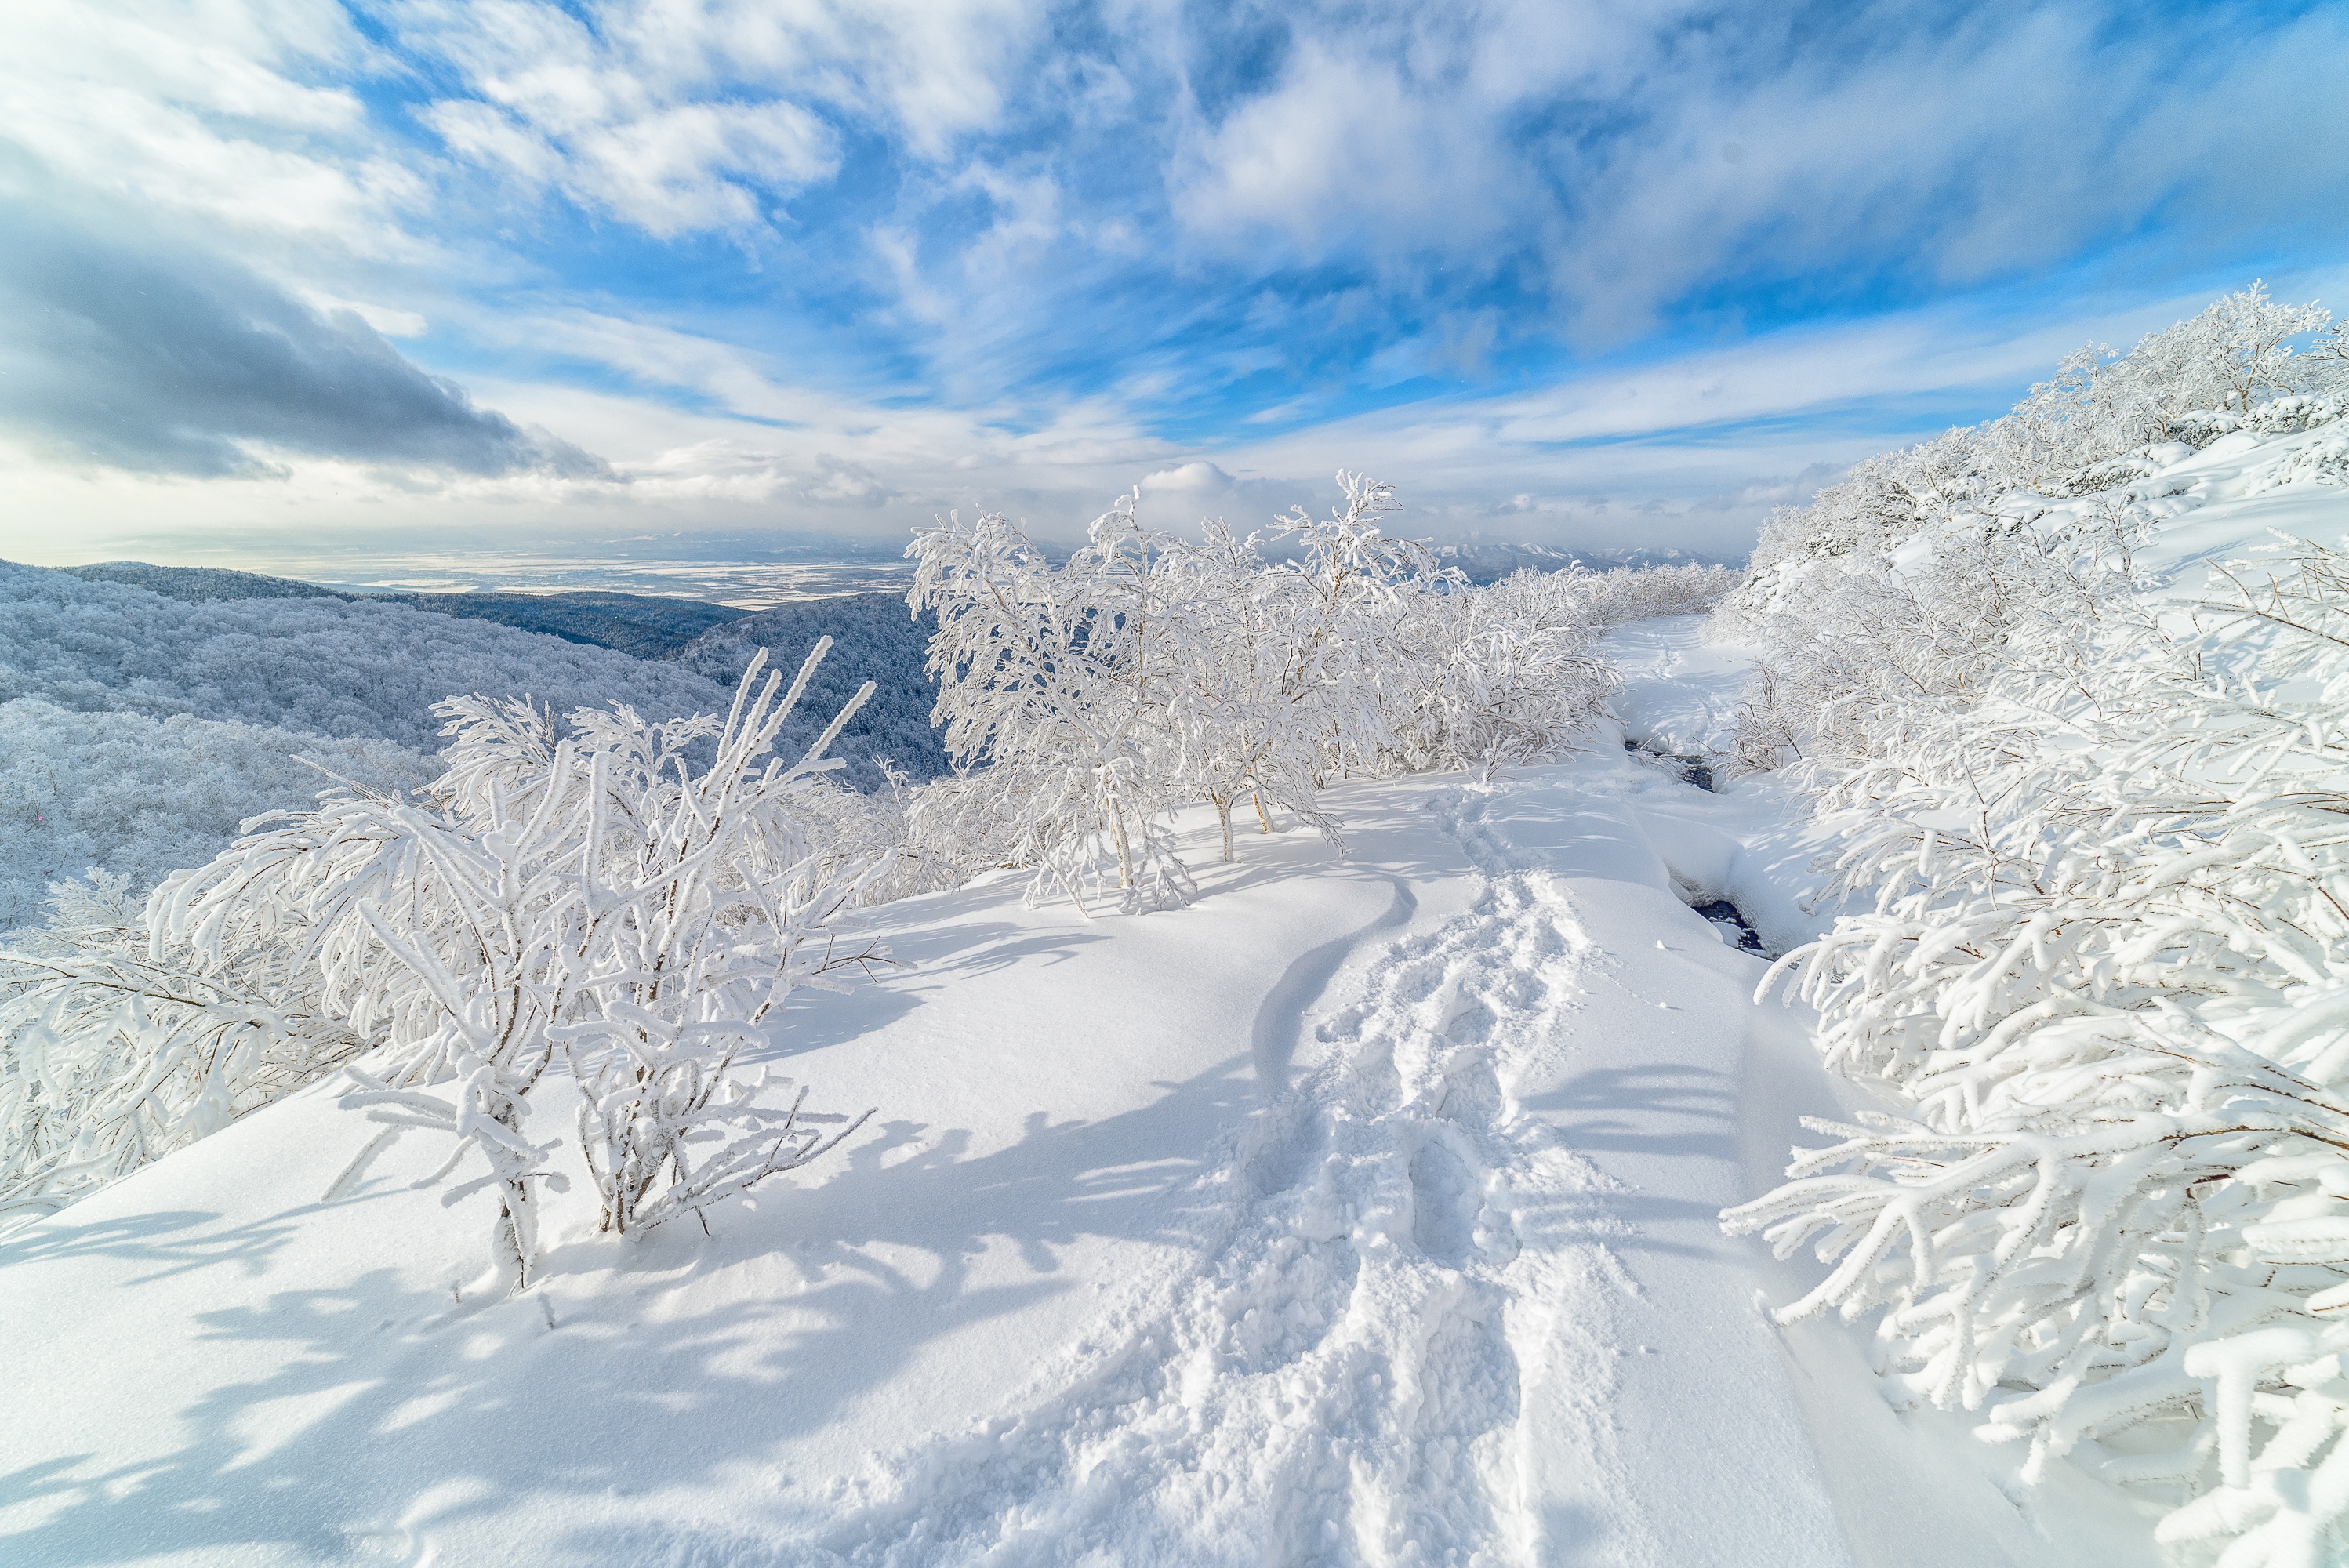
(1295, 671)
(2232, 356)
(2323, 369)
(1054, 691)
(1083, 703)
(1495, 677)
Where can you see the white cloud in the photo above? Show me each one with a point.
(680, 117)
(1076, 242)
(1586, 141)
(388, 320)
(1348, 153)
(205, 110)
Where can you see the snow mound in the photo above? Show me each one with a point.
(2228, 501)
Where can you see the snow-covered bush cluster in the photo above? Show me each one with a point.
(1900, 583)
(1616, 598)
(2102, 842)
(631, 901)
(1082, 703)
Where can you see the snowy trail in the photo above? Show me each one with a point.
(1401, 1345)
(1361, 1213)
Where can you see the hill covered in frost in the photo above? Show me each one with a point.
(875, 638)
(137, 731)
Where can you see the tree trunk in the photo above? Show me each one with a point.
(1124, 849)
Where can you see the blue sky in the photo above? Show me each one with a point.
(1602, 274)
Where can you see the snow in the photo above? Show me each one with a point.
(1362, 1212)
(2230, 500)
(1752, 842)
(1679, 693)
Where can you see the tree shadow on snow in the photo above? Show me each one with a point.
(173, 1239)
(1640, 1124)
(381, 1407)
(622, 1371)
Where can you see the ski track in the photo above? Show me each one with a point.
(1390, 1252)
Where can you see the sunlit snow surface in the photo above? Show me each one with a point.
(1361, 1213)
(2229, 500)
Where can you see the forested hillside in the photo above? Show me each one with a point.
(644, 626)
(137, 731)
(874, 637)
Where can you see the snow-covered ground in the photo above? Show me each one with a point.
(1362, 1212)
(2234, 497)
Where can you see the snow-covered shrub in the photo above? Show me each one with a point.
(2325, 462)
(1496, 676)
(2235, 355)
(605, 896)
(2290, 415)
(596, 888)
(1639, 594)
(1884, 650)
(2108, 970)
(116, 1048)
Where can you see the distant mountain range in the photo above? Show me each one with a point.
(644, 626)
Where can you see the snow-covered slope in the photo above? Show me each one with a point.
(1362, 1213)
(2232, 498)
(138, 730)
